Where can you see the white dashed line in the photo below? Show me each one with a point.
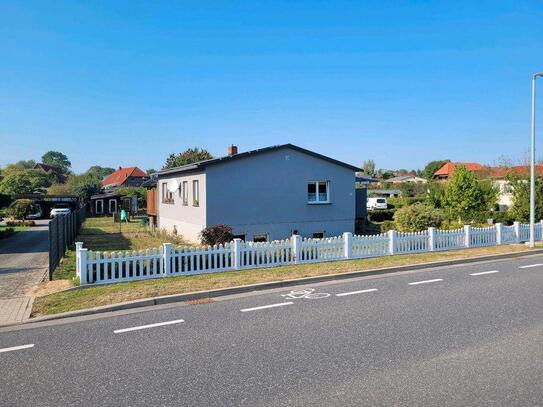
(530, 265)
(137, 328)
(426, 281)
(281, 304)
(17, 348)
(369, 290)
(484, 272)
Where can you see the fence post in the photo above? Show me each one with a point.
(82, 260)
(78, 247)
(431, 239)
(541, 223)
(347, 245)
(516, 226)
(237, 254)
(297, 248)
(391, 241)
(467, 235)
(498, 227)
(167, 258)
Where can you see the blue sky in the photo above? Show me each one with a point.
(128, 82)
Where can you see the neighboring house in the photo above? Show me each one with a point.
(111, 202)
(445, 172)
(406, 178)
(498, 176)
(264, 195)
(125, 177)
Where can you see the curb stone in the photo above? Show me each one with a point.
(272, 285)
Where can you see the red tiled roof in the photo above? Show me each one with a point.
(492, 172)
(448, 168)
(119, 177)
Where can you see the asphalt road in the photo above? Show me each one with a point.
(442, 337)
(23, 260)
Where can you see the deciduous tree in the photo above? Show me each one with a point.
(189, 156)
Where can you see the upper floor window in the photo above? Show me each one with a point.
(318, 192)
(195, 193)
(185, 193)
(167, 196)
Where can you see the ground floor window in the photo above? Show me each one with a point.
(99, 206)
(318, 235)
(112, 206)
(318, 192)
(242, 237)
(260, 237)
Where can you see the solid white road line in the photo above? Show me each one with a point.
(530, 265)
(426, 281)
(137, 328)
(17, 348)
(280, 304)
(484, 272)
(369, 290)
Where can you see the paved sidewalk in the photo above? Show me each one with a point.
(23, 264)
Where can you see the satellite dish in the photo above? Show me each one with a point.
(173, 185)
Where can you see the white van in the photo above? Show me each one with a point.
(377, 203)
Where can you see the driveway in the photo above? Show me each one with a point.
(23, 263)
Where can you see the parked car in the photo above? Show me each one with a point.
(377, 203)
(60, 210)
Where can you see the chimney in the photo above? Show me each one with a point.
(120, 168)
(232, 149)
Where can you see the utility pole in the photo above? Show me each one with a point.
(532, 166)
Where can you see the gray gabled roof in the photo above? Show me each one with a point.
(221, 160)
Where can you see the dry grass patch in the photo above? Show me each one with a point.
(115, 293)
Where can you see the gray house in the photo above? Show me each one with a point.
(264, 195)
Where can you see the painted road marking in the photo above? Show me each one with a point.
(308, 293)
(484, 272)
(530, 265)
(280, 304)
(426, 281)
(369, 290)
(137, 328)
(17, 348)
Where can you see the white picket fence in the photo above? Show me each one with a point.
(167, 260)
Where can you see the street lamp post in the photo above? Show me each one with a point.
(532, 166)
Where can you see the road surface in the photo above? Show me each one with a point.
(451, 336)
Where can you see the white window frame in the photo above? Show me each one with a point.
(185, 193)
(101, 206)
(317, 197)
(195, 192)
(109, 205)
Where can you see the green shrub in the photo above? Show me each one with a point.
(19, 208)
(504, 217)
(380, 215)
(387, 225)
(417, 217)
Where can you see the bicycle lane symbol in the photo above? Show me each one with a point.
(308, 294)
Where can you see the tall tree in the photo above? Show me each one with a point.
(99, 172)
(150, 171)
(189, 156)
(520, 187)
(432, 167)
(57, 159)
(24, 182)
(369, 168)
(465, 198)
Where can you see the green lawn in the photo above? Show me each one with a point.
(104, 235)
(82, 298)
(15, 228)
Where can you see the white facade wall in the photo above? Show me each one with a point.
(188, 220)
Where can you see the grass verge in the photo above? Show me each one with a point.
(103, 234)
(82, 298)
